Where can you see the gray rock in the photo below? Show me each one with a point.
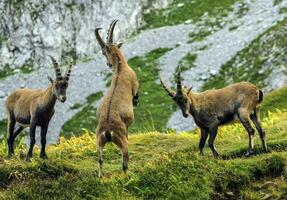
(2, 94)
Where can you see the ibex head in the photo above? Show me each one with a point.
(60, 85)
(180, 96)
(109, 47)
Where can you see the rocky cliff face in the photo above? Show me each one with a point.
(32, 29)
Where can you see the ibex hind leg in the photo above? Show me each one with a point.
(101, 141)
(10, 140)
(122, 143)
(245, 120)
(256, 121)
(17, 131)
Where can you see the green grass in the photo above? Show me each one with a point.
(162, 166)
(199, 35)
(276, 2)
(155, 106)
(191, 10)
(6, 71)
(25, 69)
(274, 100)
(3, 128)
(187, 62)
(84, 119)
(255, 62)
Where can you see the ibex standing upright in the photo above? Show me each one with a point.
(35, 107)
(115, 113)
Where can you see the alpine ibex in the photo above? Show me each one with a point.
(35, 107)
(213, 108)
(115, 112)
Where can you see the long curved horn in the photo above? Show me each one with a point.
(57, 69)
(178, 81)
(169, 91)
(111, 31)
(99, 39)
(68, 72)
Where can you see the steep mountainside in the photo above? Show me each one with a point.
(216, 42)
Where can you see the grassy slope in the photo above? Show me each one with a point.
(161, 166)
(274, 100)
(155, 106)
(180, 11)
(84, 119)
(255, 62)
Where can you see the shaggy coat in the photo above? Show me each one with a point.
(210, 109)
(28, 107)
(115, 112)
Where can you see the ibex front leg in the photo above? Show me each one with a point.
(44, 130)
(10, 140)
(212, 136)
(203, 137)
(32, 139)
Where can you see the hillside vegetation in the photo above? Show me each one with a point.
(257, 61)
(165, 166)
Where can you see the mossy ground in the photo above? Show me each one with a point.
(163, 166)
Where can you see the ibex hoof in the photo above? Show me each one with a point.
(248, 153)
(28, 159)
(10, 154)
(44, 156)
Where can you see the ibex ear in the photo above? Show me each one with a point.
(50, 79)
(120, 44)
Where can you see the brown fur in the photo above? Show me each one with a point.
(115, 113)
(34, 107)
(213, 108)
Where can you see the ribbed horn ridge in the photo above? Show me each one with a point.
(178, 81)
(99, 39)
(169, 91)
(57, 69)
(68, 72)
(111, 31)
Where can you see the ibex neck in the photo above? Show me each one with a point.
(120, 62)
(48, 100)
(193, 102)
